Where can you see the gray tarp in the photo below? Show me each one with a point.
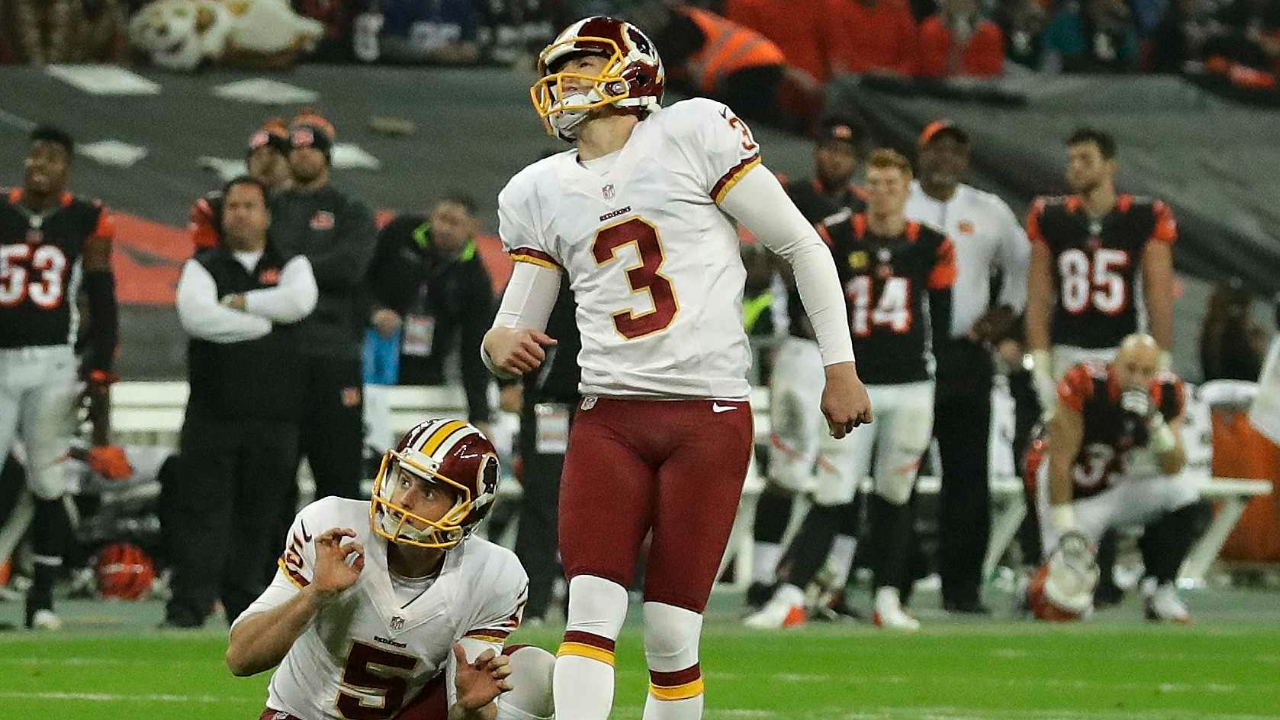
(476, 128)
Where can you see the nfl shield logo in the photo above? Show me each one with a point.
(397, 623)
(608, 191)
(35, 236)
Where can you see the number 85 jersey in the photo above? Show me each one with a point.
(651, 259)
(1095, 263)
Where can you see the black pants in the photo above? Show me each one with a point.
(234, 478)
(962, 425)
(536, 538)
(332, 427)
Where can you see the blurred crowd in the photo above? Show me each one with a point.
(814, 39)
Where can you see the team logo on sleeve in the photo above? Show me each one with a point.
(322, 220)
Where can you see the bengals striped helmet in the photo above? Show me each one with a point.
(449, 452)
(124, 571)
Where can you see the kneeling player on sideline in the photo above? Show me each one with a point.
(1115, 459)
(407, 619)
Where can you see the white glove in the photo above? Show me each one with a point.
(1136, 401)
(1161, 435)
(1062, 517)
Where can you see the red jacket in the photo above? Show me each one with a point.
(983, 56)
(799, 33)
(879, 35)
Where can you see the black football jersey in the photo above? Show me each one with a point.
(897, 294)
(817, 202)
(40, 267)
(1109, 432)
(1096, 264)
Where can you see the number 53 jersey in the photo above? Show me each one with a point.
(652, 260)
(1095, 263)
(40, 267)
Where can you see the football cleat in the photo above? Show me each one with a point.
(45, 620)
(784, 610)
(1164, 605)
(889, 613)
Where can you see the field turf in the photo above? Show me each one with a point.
(108, 663)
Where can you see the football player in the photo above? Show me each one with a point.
(52, 245)
(637, 214)
(267, 162)
(1114, 459)
(897, 276)
(389, 608)
(795, 400)
(1087, 250)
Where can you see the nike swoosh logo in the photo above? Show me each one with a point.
(718, 408)
(306, 536)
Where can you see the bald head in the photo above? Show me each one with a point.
(1137, 361)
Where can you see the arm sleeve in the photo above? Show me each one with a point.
(342, 263)
(201, 315)
(1165, 228)
(1015, 259)
(527, 303)
(291, 300)
(759, 202)
(100, 287)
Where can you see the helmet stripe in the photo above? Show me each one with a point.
(439, 436)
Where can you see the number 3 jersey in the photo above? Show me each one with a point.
(378, 643)
(40, 267)
(1109, 432)
(898, 294)
(652, 260)
(1096, 263)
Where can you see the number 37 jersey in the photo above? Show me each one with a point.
(1096, 262)
(652, 260)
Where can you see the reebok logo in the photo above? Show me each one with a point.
(718, 408)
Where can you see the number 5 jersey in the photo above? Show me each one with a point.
(652, 260)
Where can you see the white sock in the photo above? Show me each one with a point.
(840, 559)
(583, 683)
(671, 637)
(764, 562)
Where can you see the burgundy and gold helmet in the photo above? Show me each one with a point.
(632, 78)
(451, 452)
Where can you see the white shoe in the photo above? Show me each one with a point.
(1164, 605)
(889, 613)
(784, 610)
(46, 620)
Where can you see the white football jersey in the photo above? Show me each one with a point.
(375, 646)
(652, 260)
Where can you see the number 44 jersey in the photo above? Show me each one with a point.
(1095, 263)
(652, 260)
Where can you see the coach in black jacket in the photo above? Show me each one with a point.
(335, 232)
(240, 302)
(428, 281)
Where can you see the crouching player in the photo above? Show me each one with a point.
(389, 609)
(1114, 459)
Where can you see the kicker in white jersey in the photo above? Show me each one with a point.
(652, 260)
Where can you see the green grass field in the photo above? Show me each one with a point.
(108, 664)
